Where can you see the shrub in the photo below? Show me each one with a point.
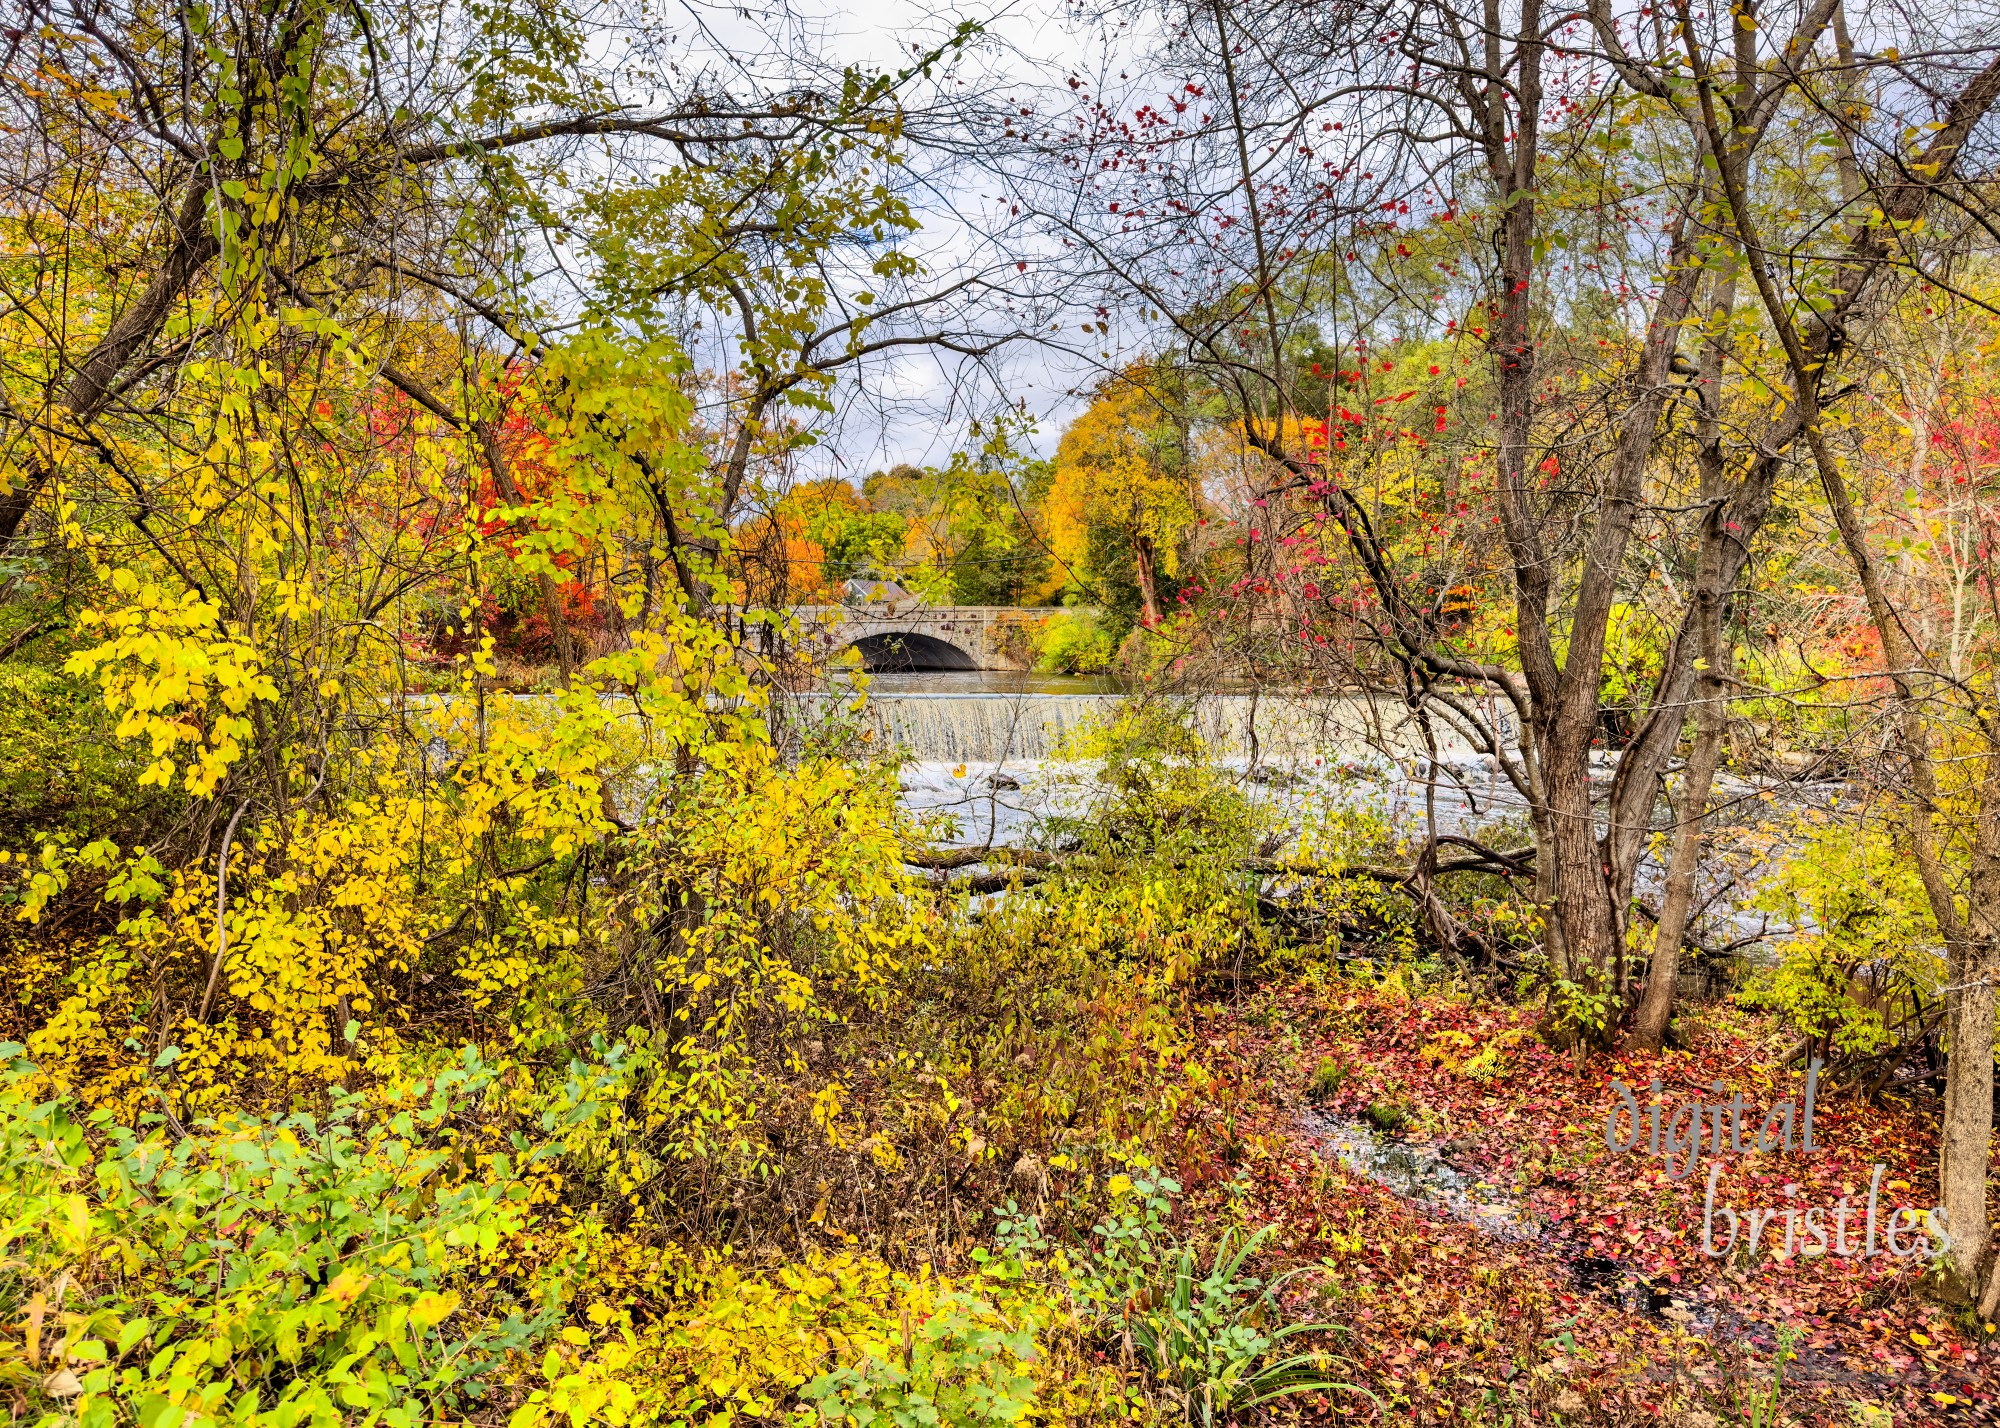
(62, 771)
(859, 1341)
(962, 1365)
(283, 1271)
(1869, 940)
(1073, 643)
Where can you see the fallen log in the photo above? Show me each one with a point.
(1482, 860)
(972, 857)
(1485, 860)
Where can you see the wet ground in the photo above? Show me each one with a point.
(1421, 1174)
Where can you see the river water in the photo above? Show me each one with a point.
(989, 750)
(986, 759)
(998, 717)
(986, 752)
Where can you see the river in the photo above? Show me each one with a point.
(986, 748)
(984, 751)
(984, 756)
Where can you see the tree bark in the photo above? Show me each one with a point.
(1965, 1143)
(192, 246)
(1726, 534)
(1149, 595)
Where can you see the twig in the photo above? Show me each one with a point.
(221, 906)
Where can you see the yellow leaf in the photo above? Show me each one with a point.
(347, 1286)
(432, 1309)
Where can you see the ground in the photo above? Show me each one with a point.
(1590, 1299)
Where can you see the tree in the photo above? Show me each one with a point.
(1508, 138)
(1944, 703)
(972, 537)
(243, 150)
(1122, 478)
(291, 415)
(819, 535)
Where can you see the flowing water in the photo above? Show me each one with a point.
(987, 751)
(988, 758)
(999, 718)
(1420, 1173)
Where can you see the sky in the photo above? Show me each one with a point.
(916, 409)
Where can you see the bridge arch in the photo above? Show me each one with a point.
(908, 651)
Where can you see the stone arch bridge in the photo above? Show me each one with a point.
(924, 637)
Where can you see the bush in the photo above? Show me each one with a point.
(1073, 643)
(284, 1271)
(861, 1342)
(1869, 941)
(962, 1365)
(62, 771)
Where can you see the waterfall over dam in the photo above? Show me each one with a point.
(995, 728)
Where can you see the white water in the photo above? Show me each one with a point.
(1005, 727)
(987, 754)
(983, 761)
(995, 804)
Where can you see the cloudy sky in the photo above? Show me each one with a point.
(917, 409)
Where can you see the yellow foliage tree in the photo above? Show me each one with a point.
(1122, 472)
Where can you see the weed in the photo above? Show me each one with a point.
(1388, 1116)
(1751, 1400)
(1211, 1340)
(956, 1366)
(1327, 1079)
(1203, 1337)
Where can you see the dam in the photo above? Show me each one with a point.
(998, 726)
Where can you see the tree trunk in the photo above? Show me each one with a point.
(1583, 909)
(191, 246)
(1698, 660)
(1145, 559)
(1965, 1143)
(1972, 942)
(1657, 1006)
(1592, 919)
(1566, 852)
